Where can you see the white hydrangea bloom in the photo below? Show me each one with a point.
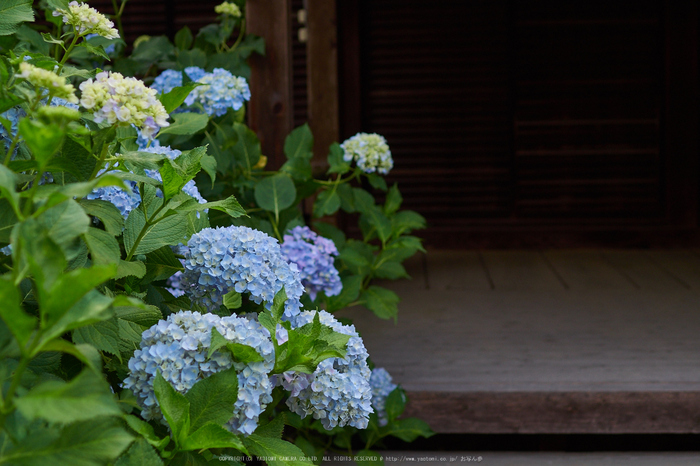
(369, 151)
(117, 99)
(57, 85)
(87, 20)
(227, 8)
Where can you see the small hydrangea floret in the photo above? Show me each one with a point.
(116, 99)
(41, 78)
(178, 348)
(369, 151)
(220, 90)
(236, 258)
(314, 255)
(381, 384)
(228, 8)
(87, 20)
(338, 392)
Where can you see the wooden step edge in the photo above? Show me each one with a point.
(620, 412)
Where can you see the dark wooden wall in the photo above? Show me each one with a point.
(532, 123)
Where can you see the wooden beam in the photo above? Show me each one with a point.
(322, 84)
(270, 112)
(649, 412)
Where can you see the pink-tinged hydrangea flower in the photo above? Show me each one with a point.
(369, 151)
(87, 20)
(178, 347)
(338, 392)
(381, 384)
(314, 256)
(219, 260)
(116, 99)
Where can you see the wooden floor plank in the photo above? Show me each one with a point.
(521, 270)
(531, 335)
(586, 270)
(641, 271)
(457, 270)
(681, 265)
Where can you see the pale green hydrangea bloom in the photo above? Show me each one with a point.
(87, 20)
(57, 85)
(117, 99)
(227, 8)
(369, 151)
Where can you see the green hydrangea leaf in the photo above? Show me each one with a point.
(175, 407)
(211, 399)
(13, 13)
(381, 301)
(327, 203)
(85, 397)
(275, 193)
(186, 124)
(299, 143)
(140, 454)
(277, 452)
(102, 335)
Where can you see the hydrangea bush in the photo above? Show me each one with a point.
(166, 297)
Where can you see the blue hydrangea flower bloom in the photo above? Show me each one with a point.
(381, 384)
(108, 50)
(221, 90)
(13, 114)
(126, 202)
(218, 260)
(314, 255)
(338, 392)
(178, 347)
(59, 102)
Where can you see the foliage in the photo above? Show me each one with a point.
(106, 356)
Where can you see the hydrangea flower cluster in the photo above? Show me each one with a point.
(314, 255)
(219, 260)
(220, 91)
(178, 347)
(87, 20)
(381, 384)
(42, 78)
(370, 152)
(128, 201)
(127, 100)
(227, 8)
(123, 200)
(13, 115)
(338, 392)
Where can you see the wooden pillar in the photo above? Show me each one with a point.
(270, 112)
(322, 72)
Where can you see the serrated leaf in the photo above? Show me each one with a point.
(140, 454)
(85, 397)
(327, 203)
(240, 353)
(349, 293)
(174, 405)
(90, 443)
(104, 248)
(335, 160)
(381, 301)
(130, 268)
(146, 431)
(377, 181)
(211, 399)
(275, 193)
(410, 429)
(272, 429)
(13, 13)
(171, 230)
(407, 221)
(391, 270)
(395, 403)
(176, 96)
(232, 300)
(183, 39)
(246, 151)
(186, 124)
(18, 322)
(299, 143)
(102, 335)
(393, 200)
(213, 436)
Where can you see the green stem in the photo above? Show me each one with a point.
(118, 16)
(240, 36)
(70, 48)
(145, 228)
(100, 162)
(32, 191)
(13, 145)
(274, 225)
